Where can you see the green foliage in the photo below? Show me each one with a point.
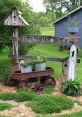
(50, 104)
(26, 63)
(77, 114)
(48, 89)
(44, 21)
(25, 96)
(71, 88)
(39, 60)
(5, 74)
(20, 96)
(25, 47)
(72, 22)
(6, 32)
(24, 89)
(47, 31)
(4, 106)
(5, 116)
(7, 96)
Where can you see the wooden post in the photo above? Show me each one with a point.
(16, 54)
(15, 20)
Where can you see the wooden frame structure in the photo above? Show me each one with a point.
(15, 20)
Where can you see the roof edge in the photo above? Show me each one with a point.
(67, 15)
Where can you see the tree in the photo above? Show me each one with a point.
(5, 9)
(57, 5)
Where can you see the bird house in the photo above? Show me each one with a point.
(15, 19)
(72, 62)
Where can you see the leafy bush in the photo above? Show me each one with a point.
(71, 88)
(7, 96)
(20, 96)
(4, 106)
(48, 89)
(24, 96)
(50, 104)
(24, 89)
(5, 75)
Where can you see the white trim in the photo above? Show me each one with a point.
(67, 14)
(25, 22)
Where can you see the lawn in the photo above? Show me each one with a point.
(47, 31)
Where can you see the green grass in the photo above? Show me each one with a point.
(4, 106)
(50, 104)
(7, 96)
(47, 31)
(77, 114)
(19, 96)
(5, 116)
(25, 96)
(48, 89)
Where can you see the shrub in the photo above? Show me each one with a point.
(50, 104)
(20, 96)
(22, 89)
(4, 106)
(24, 96)
(5, 75)
(7, 96)
(71, 88)
(48, 89)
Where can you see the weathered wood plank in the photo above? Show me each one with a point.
(49, 58)
(39, 39)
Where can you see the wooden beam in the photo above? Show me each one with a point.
(49, 58)
(57, 59)
(39, 39)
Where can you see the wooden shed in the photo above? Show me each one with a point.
(60, 25)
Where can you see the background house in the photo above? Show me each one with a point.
(60, 25)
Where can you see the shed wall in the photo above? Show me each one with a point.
(61, 26)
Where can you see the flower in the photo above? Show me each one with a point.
(73, 22)
(22, 62)
(26, 63)
(39, 60)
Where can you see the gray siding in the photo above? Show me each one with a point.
(61, 26)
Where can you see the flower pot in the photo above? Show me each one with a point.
(26, 69)
(40, 67)
(73, 29)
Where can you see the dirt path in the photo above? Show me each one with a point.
(19, 111)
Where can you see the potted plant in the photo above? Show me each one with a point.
(40, 63)
(73, 26)
(26, 66)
